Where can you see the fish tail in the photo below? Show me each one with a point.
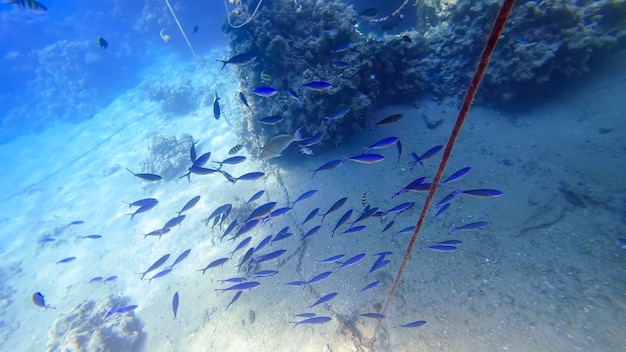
(298, 135)
(130, 171)
(224, 65)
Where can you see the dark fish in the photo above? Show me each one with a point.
(366, 158)
(121, 310)
(174, 221)
(30, 5)
(340, 65)
(282, 236)
(142, 209)
(180, 258)
(278, 212)
(407, 39)
(232, 279)
(238, 60)
(160, 274)
(314, 320)
(271, 120)
(216, 106)
(66, 260)
(370, 286)
(294, 95)
(388, 226)
(100, 41)
(256, 196)
(229, 229)
(305, 195)
(332, 259)
(441, 211)
(250, 176)
(483, 193)
(324, 299)
(96, 279)
(39, 301)
(355, 229)
(241, 287)
(448, 198)
(175, 304)
(270, 256)
(310, 216)
(231, 161)
(456, 176)
(261, 211)
(77, 222)
(409, 229)
(339, 113)
(192, 152)
(383, 143)
(142, 202)
(319, 277)
(217, 212)
(158, 232)
(352, 261)
(213, 264)
(328, 166)
(341, 47)
(93, 237)
(428, 154)
(319, 86)
(379, 264)
(110, 278)
(413, 324)
(313, 140)
(389, 120)
(367, 213)
(235, 298)
(235, 149)
(190, 204)
(400, 208)
(338, 204)
(228, 176)
(411, 186)
(373, 315)
(344, 218)
(369, 14)
(265, 92)
(147, 177)
(249, 225)
(201, 160)
(195, 30)
(312, 231)
(241, 244)
(245, 102)
(245, 258)
(472, 226)
(263, 243)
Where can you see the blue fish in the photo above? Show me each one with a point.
(312, 231)
(294, 96)
(278, 212)
(245, 258)
(338, 204)
(122, 310)
(96, 279)
(366, 158)
(319, 277)
(265, 92)
(110, 278)
(312, 321)
(441, 211)
(229, 229)
(352, 261)
(235, 298)
(180, 258)
(400, 208)
(472, 226)
(339, 113)
(175, 221)
(145, 177)
(411, 186)
(341, 47)
(328, 166)
(324, 299)
(190, 204)
(388, 226)
(66, 260)
(77, 222)
(256, 196)
(233, 160)
(39, 301)
(270, 256)
(448, 198)
(175, 304)
(370, 286)
(142, 202)
(241, 287)
(264, 273)
(250, 176)
(428, 154)
(313, 140)
(373, 315)
(483, 193)
(456, 176)
(238, 60)
(310, 216)
(233, 279)
(261, 211)
(271, 120)
(319, 86)
(263, 243)
(441, 248)
(339, 64)
(355, 229)
(155, 265)
(450, 243)
(413, 324)
(282, 236)
(241, 244)
(213, 264)
(305, 195)
(332, 259)
(305, 315)
(244, 101)
(344, 218)
(160, 274)
(379, 264)
(93, 237)
(408, 229)
(383, 143)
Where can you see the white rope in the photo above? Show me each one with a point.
(193, 52)
(247, 21)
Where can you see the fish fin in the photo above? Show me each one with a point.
(131, 171)
(298, 135)
(224, 65)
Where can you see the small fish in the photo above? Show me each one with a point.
(235, 149)
(175, 304)
(160, 274)
(265, 92)
(279, 143)
(255, 196)
(142, 202)
(265, 77)
(328, 166)
(366, 158)
(217, 212)
(229, 229)
(39, 301)
(441, 211)
(450, 243)
(294, 96)
(441, 248)
(379, 264)
(245, 102)
(319, 277)
(217, 111)
(313, 140)
(312, 321)
(341, 47)
(332, 259)
(146, 177)
(249, 225)
(241, 287)
(324, 299)
(409, 229)
(456, 176)
(180, 258)
(264, 273)
(351, 261)
(366, 214)
(142, 209)
(373, 315)
(400, 208)
(192, 153)
(261, 211)
(310, 216)
(66, 260)
(233, 160)
(355, 229)
(448, 198)
(428, 154)
(239, 60)
(388, 226)
(93, 237)
(339, 113)
(270, 256)
(110, 278)
(368, 14)
(241, 244)
(319, 86)
(77, 222)
(235, 298)
(483, 193)
(264, 242)
(30, 5)
(96, 279)
(413, 324)
(303, 196)
(419, 182)
(214, 264)
(340, 65)
(472, 226)
(312, 231)
(344, 218)
(190, 204)
(282, 236)
(338, 204)
(370, 286)
(122, 310)
(100, 41)
(158, 232)
(174, 221)
(271, 120)
(364, 199)
(195, 29)
(389, 120)
(383, 143)
(232, 279)
(245, 258)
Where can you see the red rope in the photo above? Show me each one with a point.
(496, 30)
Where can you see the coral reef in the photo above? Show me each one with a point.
(169, 157)
(296, 42)
(177, 99)
(88, 328)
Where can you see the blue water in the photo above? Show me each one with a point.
(543, 273)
